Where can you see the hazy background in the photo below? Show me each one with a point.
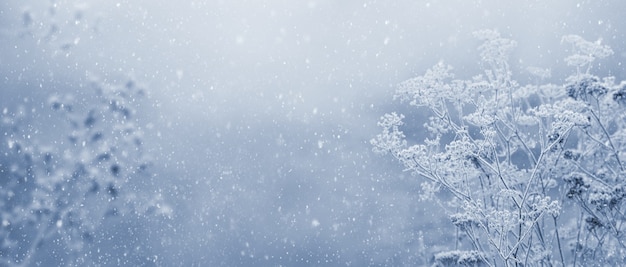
(260, 112)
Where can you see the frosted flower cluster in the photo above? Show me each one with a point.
(532, 175)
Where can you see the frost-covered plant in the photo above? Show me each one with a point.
(459, 258)
(535, 173)
(57, 190)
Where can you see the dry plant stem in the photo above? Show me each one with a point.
(457, 236)
(590, 174)
(529, 152)
(525, 196)
(528, 250)
(494, 169)
(578, 243)
(458, 194)
(524, 235)
(482, 188)
(541, 156)
(608, 136)
(558, 240)
(538, 229)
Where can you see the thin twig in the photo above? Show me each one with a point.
(608, 136)
(558, 240)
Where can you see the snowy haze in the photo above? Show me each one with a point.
(260, 113)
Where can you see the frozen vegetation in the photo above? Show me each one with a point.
(57, 191)
(531, 175)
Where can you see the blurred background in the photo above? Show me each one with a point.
(258, 114)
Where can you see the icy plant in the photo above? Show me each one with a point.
(529, 175)
(57, 190)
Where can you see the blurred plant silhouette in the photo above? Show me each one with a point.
(532, 175)
(62, 184)
(58, 190)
